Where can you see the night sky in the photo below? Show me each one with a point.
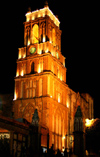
(80, 43)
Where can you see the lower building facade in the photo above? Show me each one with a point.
(56, 104)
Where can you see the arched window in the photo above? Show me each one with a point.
(32, 68)
(35, 34)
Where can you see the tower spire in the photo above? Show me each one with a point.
(46, 4)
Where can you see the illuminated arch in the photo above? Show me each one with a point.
(35, 34)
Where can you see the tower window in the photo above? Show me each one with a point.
(32, 68)
(31, 88)
(35, 34)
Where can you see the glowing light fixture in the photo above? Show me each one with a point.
(28, 42)
(63, 137)
(4, 135)
(33, 17)
(46, 51)
(40, 52)
(44, 15)
(15, 96)
(59, 98)
(22, 73)
(19, 55)
(43, 39)
(67, 104)
(24, 55)
(17, 74)
(50, 41)
(39, 69)
(40, 13)
(88, 122)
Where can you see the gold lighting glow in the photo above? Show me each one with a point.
(42, 13)
(22, 73)
(39, 69)
(40, 52)
(33, 17)
(50, 41)
(39, 49)
(59, 98)
(43, 39)
(61, 77)
(19, 55)
(46, 51)
(67, 104)
(39, 15)
(63, 137)
(40, 82)
(15, 96)
(35, 36)
(88, 122)
(3, 135)
(17, 74)
(28, 42)
(24, 55)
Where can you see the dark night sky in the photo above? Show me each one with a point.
(80, 43)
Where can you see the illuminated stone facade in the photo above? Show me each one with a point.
(40, 81)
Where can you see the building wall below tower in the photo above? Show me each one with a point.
(52, 115)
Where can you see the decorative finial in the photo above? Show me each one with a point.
(29, 9)
(57, 16)
(46, 4)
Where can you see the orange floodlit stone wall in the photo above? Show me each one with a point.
(40, 81)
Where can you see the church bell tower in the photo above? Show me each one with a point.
(40, 81)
